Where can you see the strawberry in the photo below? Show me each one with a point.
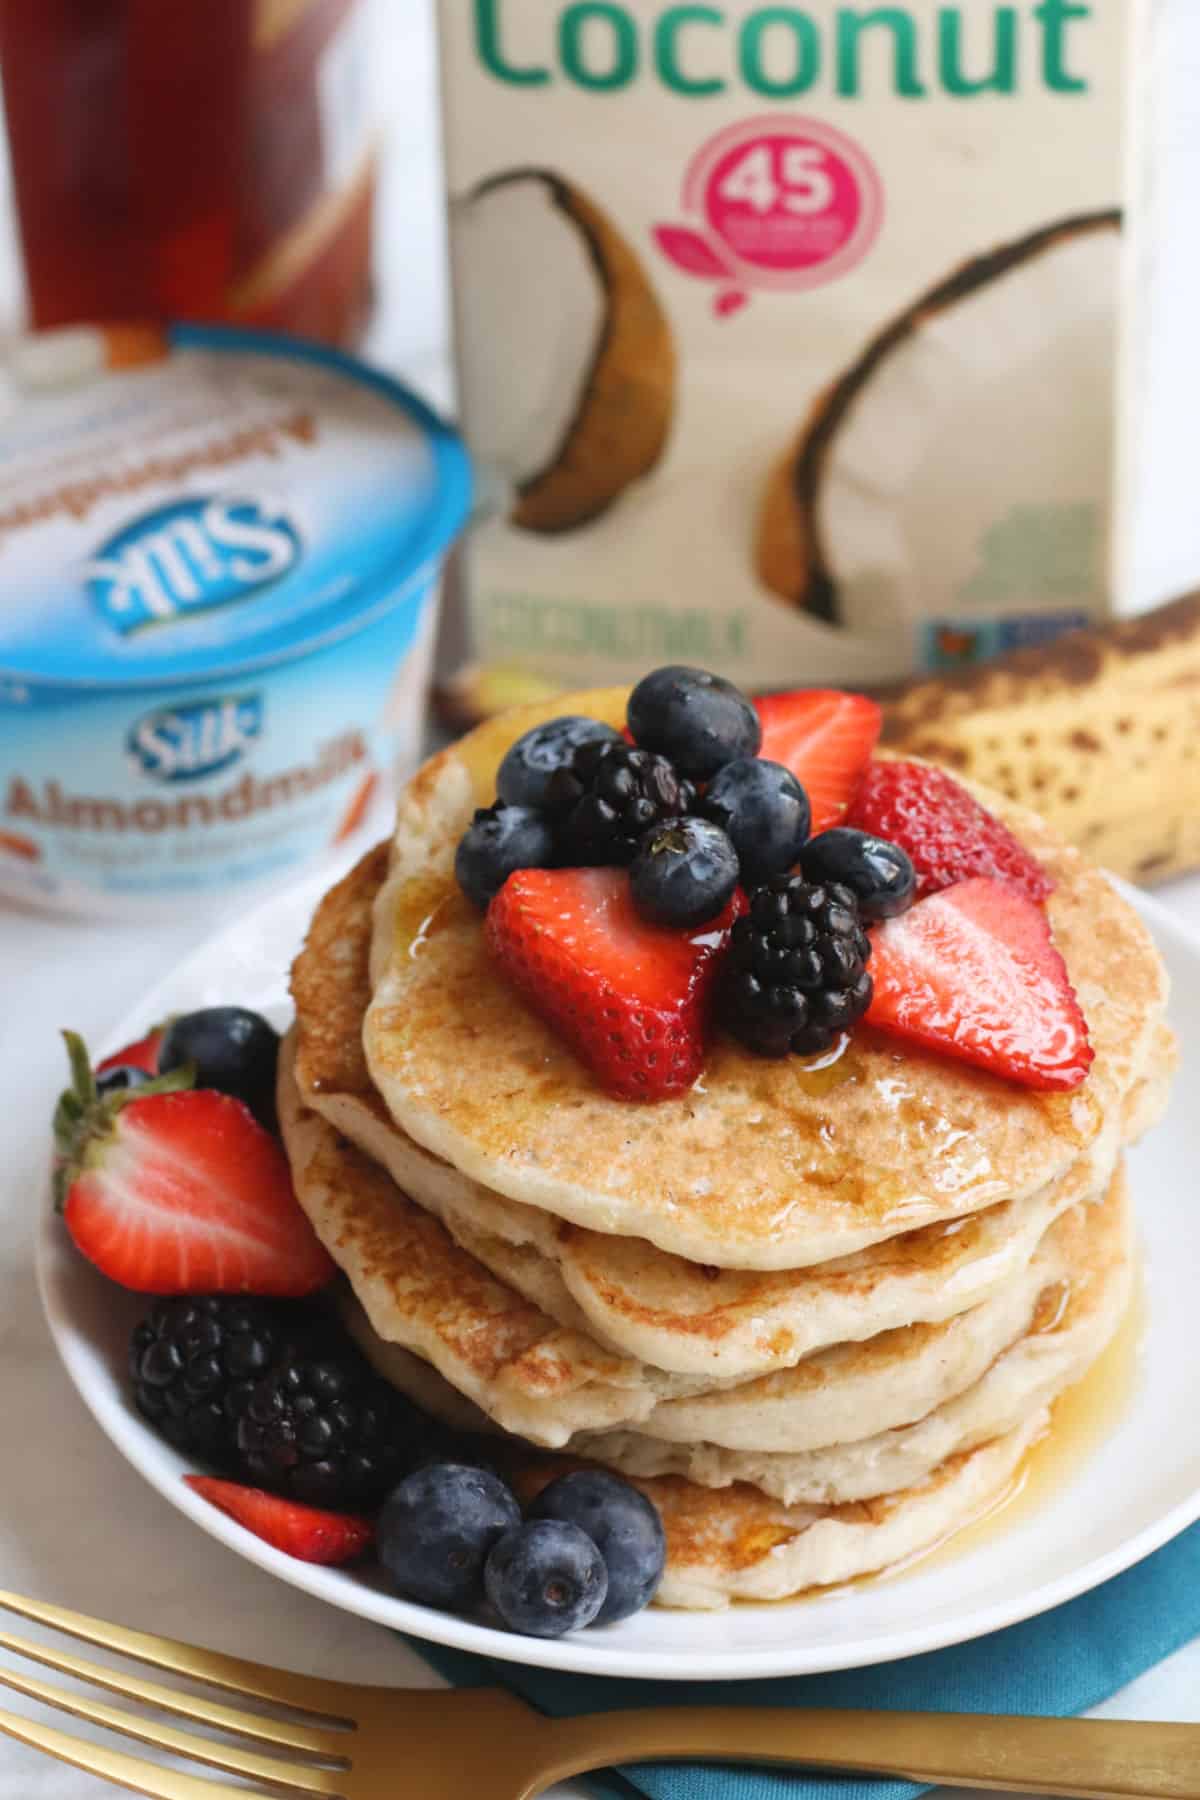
(142, 1055)
(972, 972)
(174, 1190)
(302, 1531)
(825, 737)
(631, 999)
(948, 835)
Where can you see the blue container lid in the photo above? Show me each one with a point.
(239, 502)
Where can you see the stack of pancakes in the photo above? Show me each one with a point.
(819, 1311)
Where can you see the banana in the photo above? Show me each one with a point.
(1099, 732)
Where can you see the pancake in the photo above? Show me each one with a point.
(761, 1165)
(417, 1287)
(426, 1294)
(1086, 1277)
(712, 1326)
(735, 1543)
(855, 1391)
(1077, 1294)
(726, 1544)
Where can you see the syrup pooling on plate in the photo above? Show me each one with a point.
(1080, 1421)
(1077, 1424)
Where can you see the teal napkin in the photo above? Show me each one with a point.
(1063, 1662)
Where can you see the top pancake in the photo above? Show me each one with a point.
(761, 1164)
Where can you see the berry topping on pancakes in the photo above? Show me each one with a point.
(972, 972)
(631, 999)
(948, 835)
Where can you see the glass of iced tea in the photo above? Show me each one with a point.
(202, 159)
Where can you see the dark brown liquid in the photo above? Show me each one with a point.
(169, 162)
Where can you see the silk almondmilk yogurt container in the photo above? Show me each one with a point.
(218, 567)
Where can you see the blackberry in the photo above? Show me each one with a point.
(323, 1428)
(796, 972)
(190, 1358)
(608, 797)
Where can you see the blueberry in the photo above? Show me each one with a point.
(683, 872)
(234, 1051)
(880, 875)
(524, 775)
(436, 1529)
(624, 1526)
(500, 840)
(764, 811)
(120, 1076)
(699, 721)
(546, 1578)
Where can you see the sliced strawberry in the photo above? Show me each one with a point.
(947, 833)
(142, 1055)
(825, 737)
(972, 972)
(179, 1192)
(631, 999)
(303, 1531)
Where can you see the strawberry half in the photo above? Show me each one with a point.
(826, 738)
(142, 1055)
(947, 833)
(170, 1190)
(303, 1531)
(972, 972)
(631, 999)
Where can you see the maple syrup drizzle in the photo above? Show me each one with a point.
(1080, 1421)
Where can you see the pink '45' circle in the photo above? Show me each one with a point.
(792, 201)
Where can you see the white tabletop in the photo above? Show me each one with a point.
(76, 1524)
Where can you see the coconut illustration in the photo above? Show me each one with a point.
(984, 383)
(566, 358)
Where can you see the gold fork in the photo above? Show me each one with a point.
(369, 1743)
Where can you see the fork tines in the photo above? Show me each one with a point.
(318, 1761)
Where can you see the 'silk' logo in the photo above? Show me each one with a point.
(188, 557)
(198, 737)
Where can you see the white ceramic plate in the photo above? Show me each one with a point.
(1137, 1488)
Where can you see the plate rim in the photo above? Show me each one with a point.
(574, 1654)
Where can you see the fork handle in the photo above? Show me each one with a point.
(1087, 1759)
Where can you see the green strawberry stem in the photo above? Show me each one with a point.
(83, 1117)
(83, 1082)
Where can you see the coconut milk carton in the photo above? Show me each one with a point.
(790, 336)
